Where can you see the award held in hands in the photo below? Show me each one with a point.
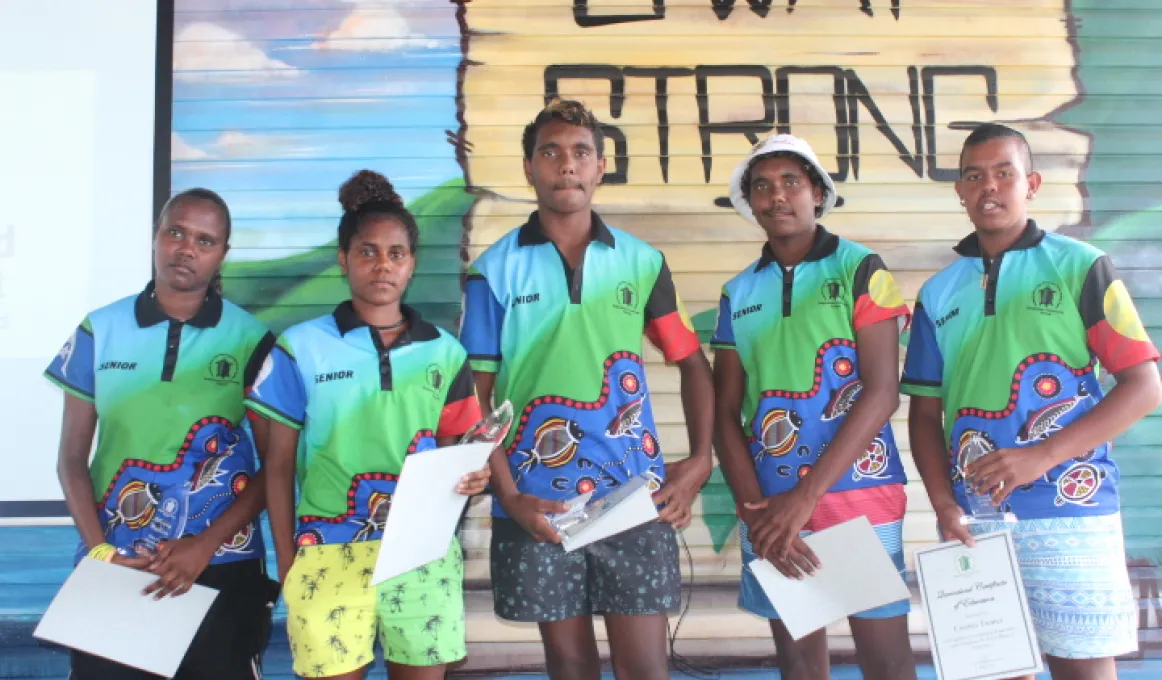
(981, 507)
(425, 507)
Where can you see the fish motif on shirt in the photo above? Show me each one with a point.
(1043, 422)
(554, 444)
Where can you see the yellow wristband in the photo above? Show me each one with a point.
(103, 552)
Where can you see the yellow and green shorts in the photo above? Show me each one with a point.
(334, 613)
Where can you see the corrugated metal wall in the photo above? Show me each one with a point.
(277, 103)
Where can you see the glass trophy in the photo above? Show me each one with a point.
(981, 507)
(492, 429)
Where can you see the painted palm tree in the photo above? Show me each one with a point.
(398, 630)
(432, 626)
(366, 574)
(336, 615)
(310, 589)
(321, 573)
(446, 584)
(317, 670)
(336, 645)
(424, 572)
(433, 655)
(348, 554)
(424, 599)
(396, 604)
(383, 598)
(400, 589)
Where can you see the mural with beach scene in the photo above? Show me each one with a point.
(276, 104)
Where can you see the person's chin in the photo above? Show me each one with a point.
(378, 296)
(182, 283)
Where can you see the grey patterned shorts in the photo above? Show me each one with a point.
(634, 572)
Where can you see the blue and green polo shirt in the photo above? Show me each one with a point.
(361, 407)
(1013, 346)
(172, 452)
(566, 346)
(794, 330)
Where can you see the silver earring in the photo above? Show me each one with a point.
(962, 202)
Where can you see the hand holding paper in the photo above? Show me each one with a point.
(857, 574)
(100, 610)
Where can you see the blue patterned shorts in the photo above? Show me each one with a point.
(1074, 569)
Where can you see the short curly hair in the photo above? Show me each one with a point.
(570, 111)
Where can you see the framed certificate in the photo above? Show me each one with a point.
(978, 618)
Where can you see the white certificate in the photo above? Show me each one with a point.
(978, 618)
(100, 610)
(855, 574)
(425, 507)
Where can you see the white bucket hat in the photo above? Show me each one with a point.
(789, 143)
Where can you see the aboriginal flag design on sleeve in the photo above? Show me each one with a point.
(1112, 325)
(877, 297)
(667, 325)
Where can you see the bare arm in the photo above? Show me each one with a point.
(929, 450)
(77, 429)
(684, 478)
(729, 438)
(280, 491)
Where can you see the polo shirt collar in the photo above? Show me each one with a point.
(418, 330)
(533, 233)
(149, 313)
(1031, 237)
(824, 245)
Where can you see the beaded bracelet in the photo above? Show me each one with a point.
(103, 552)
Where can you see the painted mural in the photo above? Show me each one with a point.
(276, 107)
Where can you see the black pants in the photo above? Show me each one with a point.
(230, 641)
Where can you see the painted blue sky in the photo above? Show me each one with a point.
(274, 108)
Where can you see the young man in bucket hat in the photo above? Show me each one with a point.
(806, 364)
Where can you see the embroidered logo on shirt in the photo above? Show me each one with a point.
(1047, 298)
(626, 297)
(831, 293)
(223, 369)
(435, 378)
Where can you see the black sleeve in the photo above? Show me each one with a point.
(257, 357)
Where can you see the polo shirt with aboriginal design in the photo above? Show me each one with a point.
(1012, 346)
(794, 330)
(172, 453)
(566, 346)
(361, 407)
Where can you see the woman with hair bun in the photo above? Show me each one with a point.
(348, 395)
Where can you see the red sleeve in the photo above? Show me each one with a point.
(1114, 331)
(461, 409)
(877, 297)
(667, 325)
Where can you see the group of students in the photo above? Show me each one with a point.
(187, 393)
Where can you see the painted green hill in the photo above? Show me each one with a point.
(284, 291)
